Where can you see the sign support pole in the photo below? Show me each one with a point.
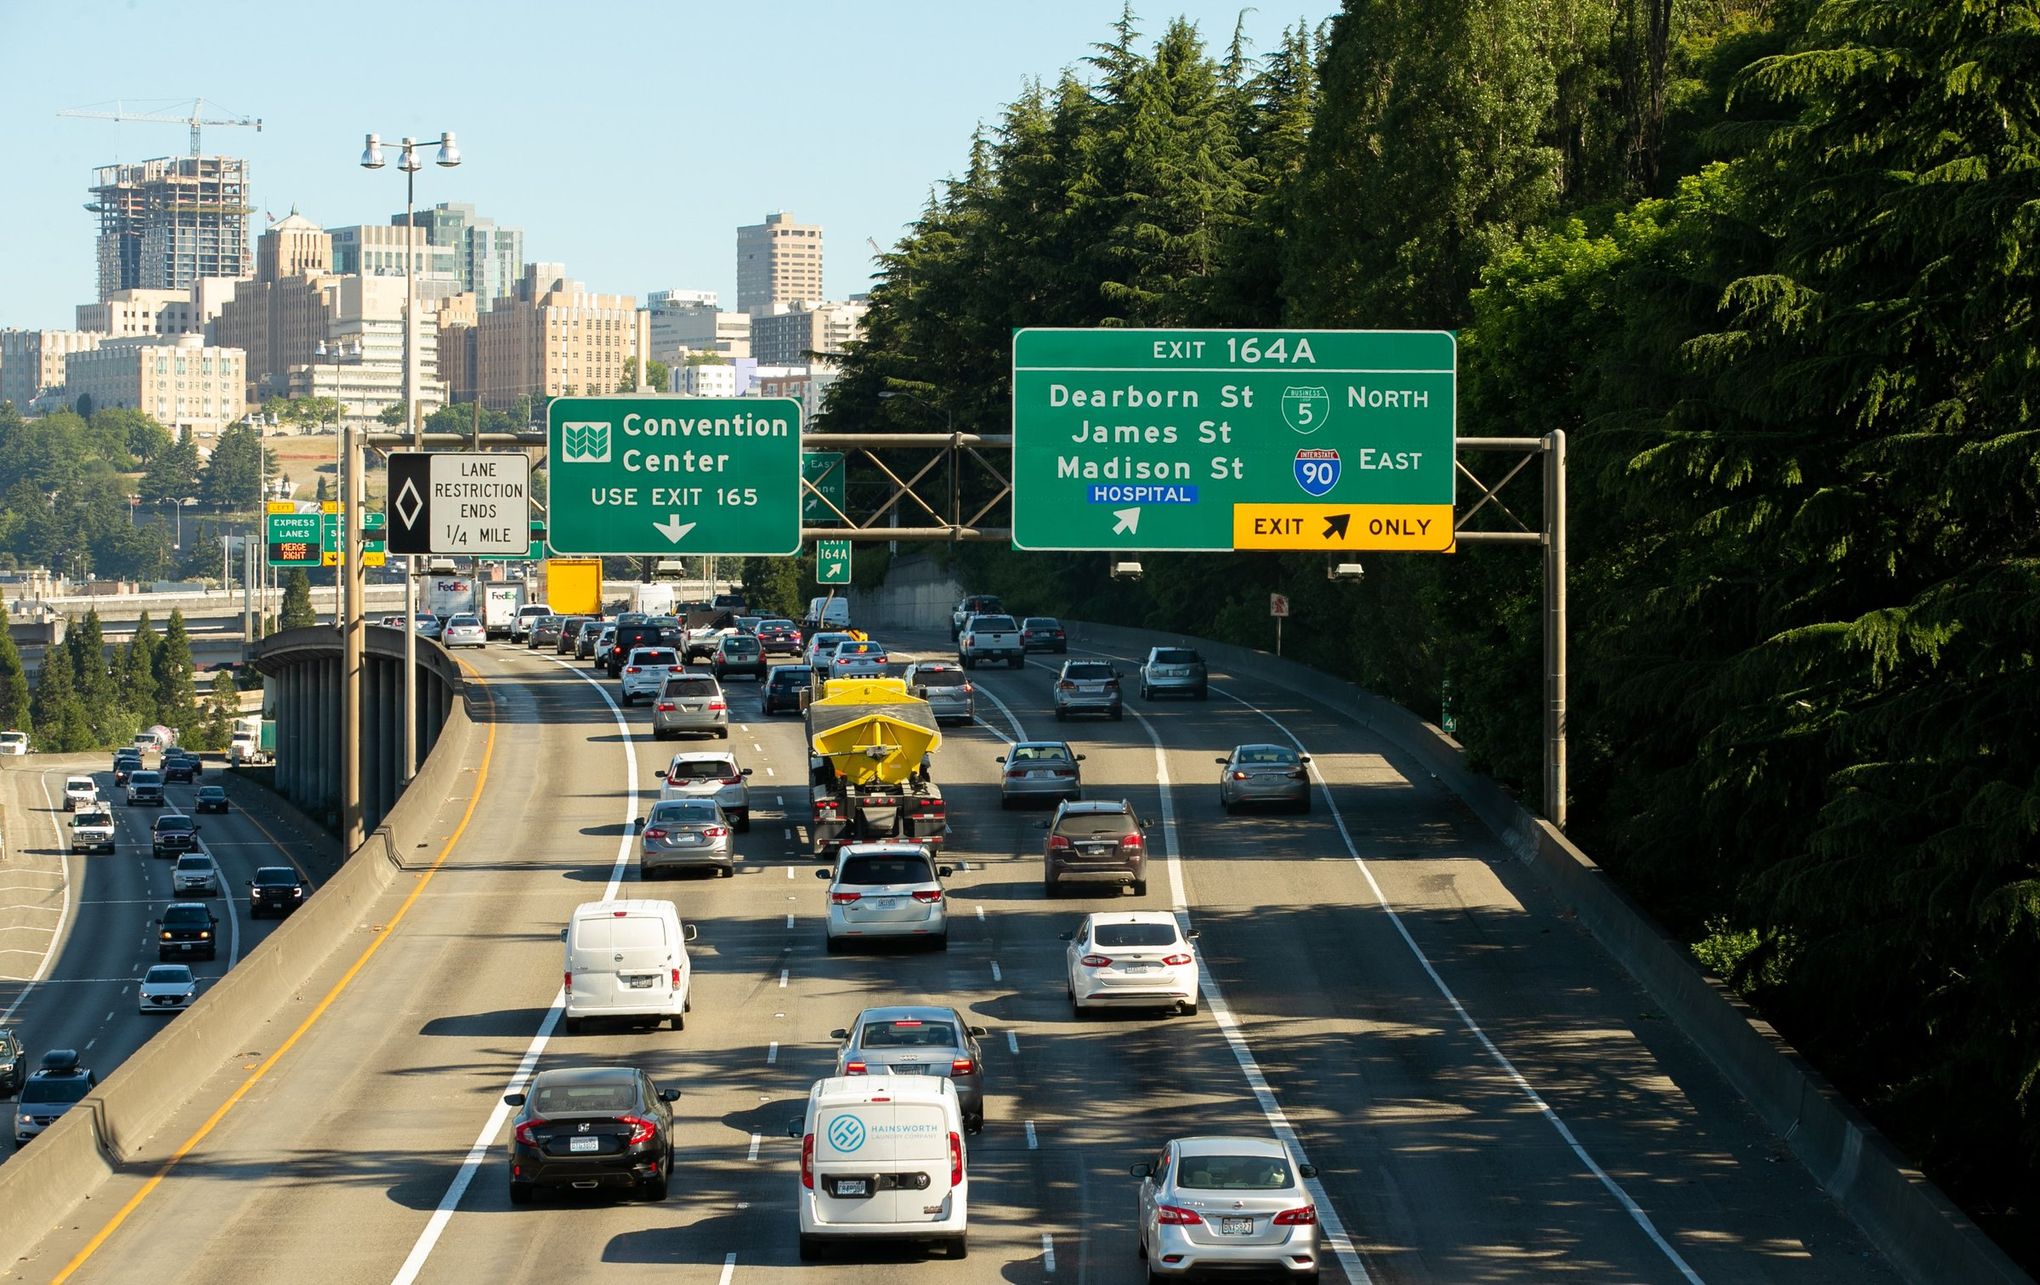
(1554, 628)
(351, 573)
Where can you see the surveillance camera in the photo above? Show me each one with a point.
(1126, 570)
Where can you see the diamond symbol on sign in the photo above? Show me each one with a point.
(409, 502)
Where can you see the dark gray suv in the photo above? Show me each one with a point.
(1103, 840)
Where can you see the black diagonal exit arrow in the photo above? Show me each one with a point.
(1335, 525)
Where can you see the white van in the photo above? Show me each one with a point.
(827, 613)
(883, 1156)
(628, 960)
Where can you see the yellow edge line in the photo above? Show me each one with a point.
(120, 1216)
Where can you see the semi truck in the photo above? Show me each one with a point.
(254, 741)
(499, 607)
(573, 586)
(870, 765)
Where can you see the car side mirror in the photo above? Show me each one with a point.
(251, 883)
(642, 822)
(1303, 758)
(689, 932)
(1192, 935)
(513, 1099)
(945, 871)
(1068, 936)
(840, 1033)
(793, 1127)
(823, 873)
(746, 772)
(1221, 761)
(1080, 758)
(1000, 759)
(159, 922)
(661, 774)
(1142, 1170)
(563, 934)
(669, 1095)
(979, 1030)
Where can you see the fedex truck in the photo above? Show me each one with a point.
(499, 607)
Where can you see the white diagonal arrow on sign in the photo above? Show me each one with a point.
(1129, 521)
(673, 528)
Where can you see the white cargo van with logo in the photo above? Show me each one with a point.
(627, 960)
(883, 1156)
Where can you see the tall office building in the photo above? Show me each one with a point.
(551, 337)
(689, 321)
(165, 223)
(794, 334)
(778, 261)
(489, 259)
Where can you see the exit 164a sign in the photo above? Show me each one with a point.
(674, 475)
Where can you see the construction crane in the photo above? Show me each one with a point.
(194, 119)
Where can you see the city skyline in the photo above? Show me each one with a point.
(633, 195)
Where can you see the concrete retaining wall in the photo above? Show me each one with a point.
(918, 593)
(108, 1130)
(1907, 1217)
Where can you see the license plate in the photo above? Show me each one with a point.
(884, 903)
(907, 1068)
(595, 1144)
(1235, 1226)
(1137, 968)
(641, 983)
(853, 1187)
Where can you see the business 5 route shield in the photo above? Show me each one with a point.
(1217, 440)
(674, 475)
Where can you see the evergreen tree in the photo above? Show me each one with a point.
(97, 690)
(222, 707)
(297, 601)
(60, 726)
(136, 674)
(16, 711)
(232, 478)
(176, 692)
(772, 586)
(172, 476)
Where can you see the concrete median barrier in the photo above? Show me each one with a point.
(115, 1126)
(1905, 1215)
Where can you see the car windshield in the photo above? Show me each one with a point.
(1039, 622)
(992, 624)
(653, 656)
(793, 676)
(947, 676)
(684, 812)
(700, 770)
(1134, 934)
(275, 877)
(1039, 753)
(890, 868)
(1264, 754)
(739, 644)
(582, 1099)
(688, 687)
(1085, 825)
(776, 624)
(165, 824)
(147, 778)
(1175, 656)
(167, 973)
(859, 649)
(908, 1033)
(186, 916)
(70, 1088)
(212, 791)
(824, 642)
(1233, 1173)
(1089, 671)
(463, 621)
(194, 863)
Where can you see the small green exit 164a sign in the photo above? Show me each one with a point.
(674, 475)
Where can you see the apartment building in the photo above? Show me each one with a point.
(32, 362)
(552, 337)
(778, 261)
(181, 381)
(796, 333)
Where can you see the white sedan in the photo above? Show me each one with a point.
(463, 630)
(1131, 959)
(167, 988)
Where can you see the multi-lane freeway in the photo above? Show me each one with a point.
(1486, 1095)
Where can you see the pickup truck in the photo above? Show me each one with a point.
(975, 604)
(92, 829)
(990, 638)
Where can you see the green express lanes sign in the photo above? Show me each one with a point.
(1221, 440)
(674, 475)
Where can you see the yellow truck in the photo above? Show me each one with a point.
(870, 765)
(573, 586)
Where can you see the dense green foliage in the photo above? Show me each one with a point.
(1769, 264)
(298, 611)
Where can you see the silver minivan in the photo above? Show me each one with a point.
(946, 688)
(690, 704)
(1176, 671)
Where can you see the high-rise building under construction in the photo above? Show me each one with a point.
(166, 223)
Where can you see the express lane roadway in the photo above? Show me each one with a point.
(1438, 1161)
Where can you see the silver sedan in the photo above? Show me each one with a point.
(1040, 770)
(1226, 1203)
(1264, 774)
(682, 834)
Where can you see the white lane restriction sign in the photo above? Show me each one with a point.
(460, 502)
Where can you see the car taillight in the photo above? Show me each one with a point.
(630, 669)
(1239, 776)
(1303, 1217)
(844, 898)
(714, 831)
(1015, 773)
(825, 805)
(641, 1129)
(716, 707)
(665, 707)
(1057, 843)
(955, 1160)
(655, 834)
(927, 896)
(1133, 841)
(567, 981)
(1175, 961)
(807, 1161)
(526, 1132)
(968, 689)
(1095, 961)
(963, 1066)
(1066, 687)
(676, 979)
(1176, 1215)
(853, 1068)
(737, 779)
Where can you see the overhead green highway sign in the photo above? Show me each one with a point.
(655, 474)
(832, 562)
(1327, 440)
(823, 471)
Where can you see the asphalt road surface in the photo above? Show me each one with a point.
(1487, 1097)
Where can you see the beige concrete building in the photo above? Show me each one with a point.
(132, 314)
(552, 337)
(691, 321)
(362, 369)
(294, 246)
(778, 261)
(796, 333)
(32, 362)
(380, 250)
(181, 381)
(457, 334)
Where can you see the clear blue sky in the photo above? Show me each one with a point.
(628, 140)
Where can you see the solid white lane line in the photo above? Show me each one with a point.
(49, 953)
(752, 1154)
(772, 1053)
(729, 1269)
(1048, 1253)
(1501, 1059)
(1335, 1236)
(1012, 720)
(1033, 1144)
(435, 1226)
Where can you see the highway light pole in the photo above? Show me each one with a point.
(372, 159)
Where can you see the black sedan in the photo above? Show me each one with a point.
(589, 1127)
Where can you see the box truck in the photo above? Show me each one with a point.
(499, 607)
(573, 586)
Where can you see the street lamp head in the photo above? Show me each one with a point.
(449, 155)
(409, 162)
(371, 153)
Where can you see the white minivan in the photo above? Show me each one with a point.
(627, 960)
(883, 1156)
